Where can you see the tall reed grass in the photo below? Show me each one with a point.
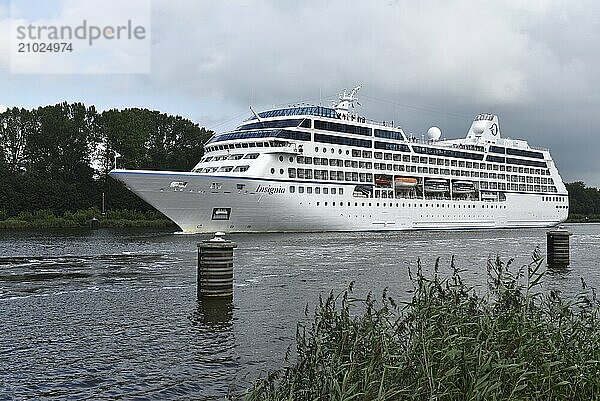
(514, 342)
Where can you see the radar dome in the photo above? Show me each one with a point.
(478, 127)
(434, 133)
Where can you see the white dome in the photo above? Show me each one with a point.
(434, 133)
(479, 127)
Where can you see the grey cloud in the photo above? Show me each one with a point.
(422, 63)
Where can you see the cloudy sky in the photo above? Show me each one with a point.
(421, 63)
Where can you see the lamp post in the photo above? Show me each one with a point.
(117, 155)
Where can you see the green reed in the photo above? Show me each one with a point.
(448, 343)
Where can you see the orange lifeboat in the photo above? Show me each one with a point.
(405, 182)
(382, 181)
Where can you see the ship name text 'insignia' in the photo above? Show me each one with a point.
(270, 190)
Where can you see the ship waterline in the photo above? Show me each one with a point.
(313, 168)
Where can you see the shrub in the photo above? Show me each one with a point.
(447, 343)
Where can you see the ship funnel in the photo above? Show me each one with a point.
(485, 126)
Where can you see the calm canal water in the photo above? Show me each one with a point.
(113, 314)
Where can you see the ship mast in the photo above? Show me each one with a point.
(346, 100)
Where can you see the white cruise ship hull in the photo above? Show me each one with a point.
(201, 203)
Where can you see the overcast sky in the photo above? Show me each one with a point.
(421, 63)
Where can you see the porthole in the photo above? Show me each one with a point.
(347, 152)
(316, 149)
(280, 158)
(324, 150)
(280, 171)
(272, 171)
(340, 151)
(291, 159)
(332, 150)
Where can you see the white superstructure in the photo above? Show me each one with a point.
(314, 168)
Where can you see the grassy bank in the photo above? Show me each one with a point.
(82, 219)
(447, 343)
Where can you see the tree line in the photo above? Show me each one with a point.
(584, 202)
(57, 158)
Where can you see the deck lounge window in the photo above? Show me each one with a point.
(524, 153)
(447, 153)
(276, 133)
(496, 159)
(299, 122)
(497, 149)
(340, 140)
(380, 133)
(295, 111)
(523, 162)
(398, 147)
(345, 128)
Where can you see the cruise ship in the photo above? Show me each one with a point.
(316, 168)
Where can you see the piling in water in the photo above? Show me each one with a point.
(215, 267)
(557, 247)
(94, 223)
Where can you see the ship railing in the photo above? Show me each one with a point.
(360, 119)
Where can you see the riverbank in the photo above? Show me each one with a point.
(83, 219)
(448, 343)
(580, 218)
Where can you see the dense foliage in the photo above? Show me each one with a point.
(56, 158)
(447, 343)
(584, 202)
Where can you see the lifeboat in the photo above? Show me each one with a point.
(382, 181)
(405, 182)
(463, 187)
(489, 196)
(434, 185)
